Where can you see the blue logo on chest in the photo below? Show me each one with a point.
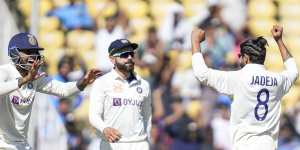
(139, 90)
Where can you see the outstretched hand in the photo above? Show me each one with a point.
(33, 73)
(89, 78)
(277, 32)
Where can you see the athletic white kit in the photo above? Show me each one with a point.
(255, 110)
(124, 106)
(16, 104)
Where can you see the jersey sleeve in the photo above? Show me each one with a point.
(96, 108)
(147, 112)
(7, 86)
(290, 74)
(48, 85)
(222, 81)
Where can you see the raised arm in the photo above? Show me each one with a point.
(291, 73)
(198, 36)
(220, 80)
(277, 35)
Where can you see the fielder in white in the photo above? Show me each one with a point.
(257, 92)
(19, 82)
(120, 102)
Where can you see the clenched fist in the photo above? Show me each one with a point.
(198, 35)
(277, 32)
(111, 134)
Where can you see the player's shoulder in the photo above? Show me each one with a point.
(104, 78)
(271, 73)
(8, 69)
(7, 66)
(143, 81)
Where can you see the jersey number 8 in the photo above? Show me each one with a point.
(262, 103)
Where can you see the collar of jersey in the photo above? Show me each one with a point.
(256, 66)
(118, 77)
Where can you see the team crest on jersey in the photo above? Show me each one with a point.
(30, 85)
(139, 90)
(117, 87)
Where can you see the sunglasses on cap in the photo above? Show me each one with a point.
(125, 55)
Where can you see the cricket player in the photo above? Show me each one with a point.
(120, 102)
(255, 110)
(19, 82)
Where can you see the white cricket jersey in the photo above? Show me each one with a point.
(121, 105)
(256, 92)
(16, 103)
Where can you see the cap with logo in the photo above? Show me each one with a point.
(24, 41)
(121, 46)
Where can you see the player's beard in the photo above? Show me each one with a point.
(125, 67)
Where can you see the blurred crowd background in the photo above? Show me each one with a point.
(186, 115)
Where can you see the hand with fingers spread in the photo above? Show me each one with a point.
(277, 32)
(33, 73)
(89, 78)
(111, 134)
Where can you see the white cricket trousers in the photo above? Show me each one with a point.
(261, 142)
(142, 145)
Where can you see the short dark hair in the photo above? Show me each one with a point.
(255, 49)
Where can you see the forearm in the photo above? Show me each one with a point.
(95, 113)
(196, 47)
(60, 89)
(199, 67)
(97, 122)
(285, 54)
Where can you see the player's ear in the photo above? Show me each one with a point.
(247, 59)
(112, 59)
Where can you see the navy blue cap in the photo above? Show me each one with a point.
(24, 41)
(117, 46)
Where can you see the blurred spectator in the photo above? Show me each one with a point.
(219, 38)
(64, 108)
(104, 37)
(189, 132)
(184, 82)
(176, 27)
(233, 12)
(289, 139)
(66, 73)
(218, 43)
(167, 108)
(150, 53)
(221, 124)
(76, 140)
(73, 15)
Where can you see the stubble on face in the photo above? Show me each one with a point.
(125, 67)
